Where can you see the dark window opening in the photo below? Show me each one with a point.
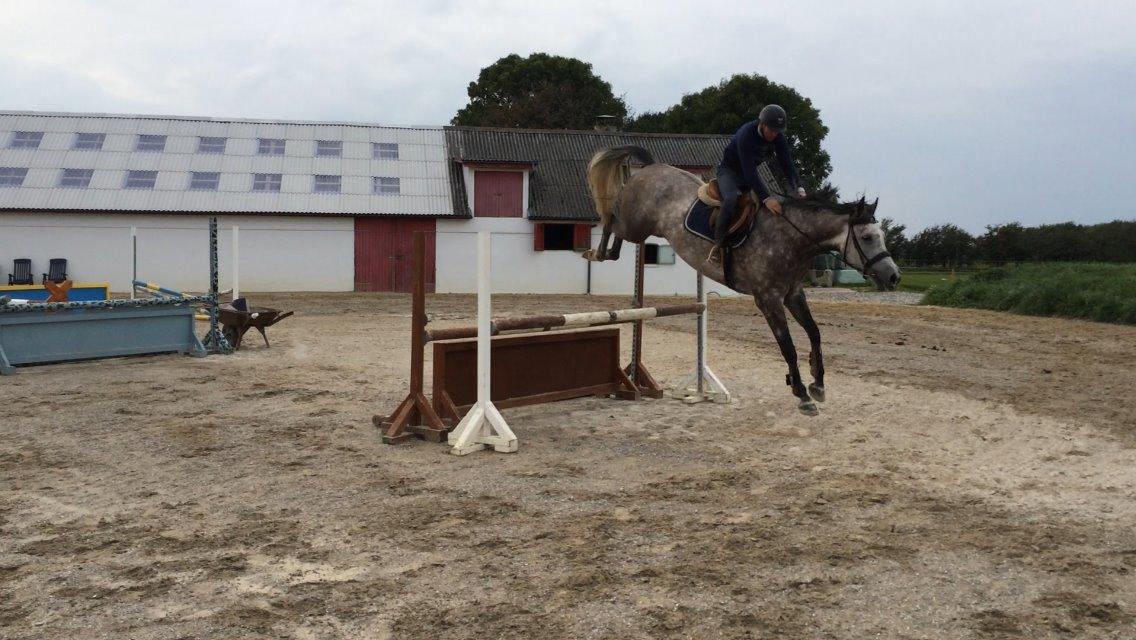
(658, 254)
(558, 237)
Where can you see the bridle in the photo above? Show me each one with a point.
(849, 238)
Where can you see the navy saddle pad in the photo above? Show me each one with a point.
(698, 223)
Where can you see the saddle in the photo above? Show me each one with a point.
(744, 211)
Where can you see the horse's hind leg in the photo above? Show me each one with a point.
(616, 245)
(774, 311)
(599, 254)
(799, 307)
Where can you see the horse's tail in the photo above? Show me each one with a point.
(605, 176)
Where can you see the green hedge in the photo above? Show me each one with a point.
(1092, 291)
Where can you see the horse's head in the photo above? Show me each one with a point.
(864, 247)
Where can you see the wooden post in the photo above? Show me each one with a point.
(483, 426)
(639, 381)
(415, 416)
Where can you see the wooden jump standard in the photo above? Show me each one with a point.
(570, 364)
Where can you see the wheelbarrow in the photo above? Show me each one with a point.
(237, 318)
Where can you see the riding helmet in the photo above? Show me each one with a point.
(773, 116)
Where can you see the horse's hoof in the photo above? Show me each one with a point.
(592, 256)
(816, 392)
(808, 407)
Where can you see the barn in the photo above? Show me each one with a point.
(319, 206)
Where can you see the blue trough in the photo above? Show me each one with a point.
(60, 332)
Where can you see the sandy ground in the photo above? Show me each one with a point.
(971, 476)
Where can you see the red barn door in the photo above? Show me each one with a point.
(498, 194)
(383, 253)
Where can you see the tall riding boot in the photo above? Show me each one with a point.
(721, 229)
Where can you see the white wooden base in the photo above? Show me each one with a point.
(712, 389)
(482, 427)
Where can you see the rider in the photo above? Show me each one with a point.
(737, 173)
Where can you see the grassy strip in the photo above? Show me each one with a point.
(1091, 291)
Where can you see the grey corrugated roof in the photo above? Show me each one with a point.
(558, 188)
(423, 167)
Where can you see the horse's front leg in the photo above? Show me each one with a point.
(799, 307)
(774, 311)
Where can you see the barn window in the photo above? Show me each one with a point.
(89, 141)
(26, 140)
(76, 178)
(384, 150)
(204, 180)
(270, 147)
(140, 179)
(332, 148)
(12, 176)
(658, 254)
(327, 184)
(210, 145)
(561, 237)
(266, 181)
(150, 143)
(386, 186)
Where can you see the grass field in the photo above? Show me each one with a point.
(1091, 291)
(922, 279)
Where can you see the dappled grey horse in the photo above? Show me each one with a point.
(770, 266)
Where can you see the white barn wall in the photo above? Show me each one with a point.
(517, 268)
(278, 253)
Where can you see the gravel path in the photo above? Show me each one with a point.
(844, 294)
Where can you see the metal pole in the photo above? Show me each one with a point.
(701, 334)
(236, 262)
(134, 249)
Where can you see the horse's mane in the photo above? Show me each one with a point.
(826, 199)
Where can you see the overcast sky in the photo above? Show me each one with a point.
(959, 111)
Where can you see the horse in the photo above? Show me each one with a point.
(770, 265)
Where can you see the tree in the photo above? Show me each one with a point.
(894, 238)
(726, 106)
(541, 91)
(1004, 243)
(946, 245)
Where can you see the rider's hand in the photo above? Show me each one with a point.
(801, 192)
(773, 204)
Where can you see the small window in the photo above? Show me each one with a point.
(89, 141)
(76, 178)
(333, 148)
(384, 150)
(270, 147)
(658, 254)
(211, 145)
(12, 176)
(266, 181)
(326, 184)
(559, 237)
(150, 143)
(141, 179)
(204, 180)
(26, 140)
(386, 186)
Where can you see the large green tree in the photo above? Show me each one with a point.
(541, 91)
(894, 238)
(731, 103)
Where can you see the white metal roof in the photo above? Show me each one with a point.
(422, 166)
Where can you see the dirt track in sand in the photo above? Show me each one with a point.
(974, 481)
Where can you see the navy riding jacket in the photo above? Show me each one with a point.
(748, 148)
